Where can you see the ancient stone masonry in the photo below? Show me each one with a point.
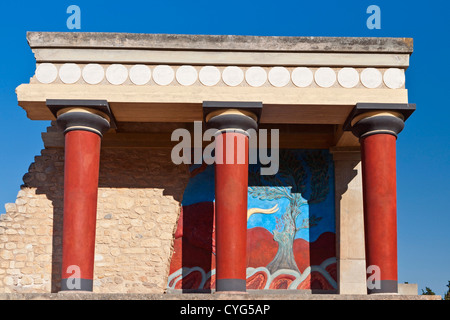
(138, 207)
(27, 237)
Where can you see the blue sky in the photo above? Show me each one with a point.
(423, 147)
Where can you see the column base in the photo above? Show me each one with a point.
(231, 292)
(76, 285)
(231, 285)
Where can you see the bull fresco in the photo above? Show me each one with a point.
(290, 227)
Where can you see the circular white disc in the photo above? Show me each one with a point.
(394, 78)
(186, 75)
(69, 73)
(302, 77)
(256, 76)
(348, 77)
(116, 74)
(371, 78)
(325, 77)
(93, 73)
(233, 76)
(163, 75)
(279, 76)
(140, 74)
(46, 73)
(209, 75)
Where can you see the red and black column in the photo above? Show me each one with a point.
(231, 189)
(83, 129)
(377, 130)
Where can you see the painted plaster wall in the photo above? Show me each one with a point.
(290, 227)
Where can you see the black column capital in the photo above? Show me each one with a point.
(86, 115)
(378, 118)
(223, 115)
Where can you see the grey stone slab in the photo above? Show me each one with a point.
(219, 42)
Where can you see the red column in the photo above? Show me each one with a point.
(378, 156)
(83, 129)
(82, 158)
(233, 123)
(377, 129)
(231, 183)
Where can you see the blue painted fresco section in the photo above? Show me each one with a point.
(201, 189)
(325, 210)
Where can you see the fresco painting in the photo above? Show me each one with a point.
(290, 227)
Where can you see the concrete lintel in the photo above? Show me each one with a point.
(137, 103)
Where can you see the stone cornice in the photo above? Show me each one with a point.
(211, 50)
(219, 42)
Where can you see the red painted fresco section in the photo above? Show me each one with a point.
(194, 246)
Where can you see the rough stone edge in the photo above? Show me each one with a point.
(218, 42)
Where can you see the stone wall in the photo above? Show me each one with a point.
(139, 198)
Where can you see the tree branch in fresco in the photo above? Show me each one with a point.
(291, 183)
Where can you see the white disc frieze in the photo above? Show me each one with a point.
(348, 77)
(46, 73)
(69, 73)
(93, 73)
(140, 74)
(302, 77)
(279, 76)
(325, 77)
(371, 78)
(163, 75)
(116, 74)
(209, 76)
(394, 78)
(233, 76)
(186, 75)
(256, 76)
